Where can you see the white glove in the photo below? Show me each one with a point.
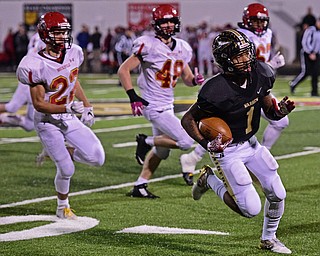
(87, 116)
(75, 107)
(277, 61)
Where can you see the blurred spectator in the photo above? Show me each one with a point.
(7, 57)
(107, 56)
(96, 50)
(307, 21)
(310, 59)
(123, 46)
(205, 53)
(21, 42)
(83, 39)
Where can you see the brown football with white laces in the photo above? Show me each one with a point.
(210, 128)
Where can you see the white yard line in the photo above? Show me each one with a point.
(308, 151)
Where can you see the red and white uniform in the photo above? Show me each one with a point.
(262, 43)
(161, 66)
(59, 77)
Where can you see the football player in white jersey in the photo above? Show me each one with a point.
(21, 97)
(163, 59)
(52, 75)
(255, 22)
(255, 27)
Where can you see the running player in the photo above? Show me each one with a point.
(163, 60)
(52, 75)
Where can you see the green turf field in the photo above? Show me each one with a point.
(104, 188)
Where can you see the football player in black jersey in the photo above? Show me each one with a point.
(237, 95)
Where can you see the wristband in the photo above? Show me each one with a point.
(132, 95)
(204, 144)
(194, 81)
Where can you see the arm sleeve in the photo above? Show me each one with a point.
(308, 40)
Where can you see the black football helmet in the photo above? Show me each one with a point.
(229, 45)
(162, 14)
(51, 23)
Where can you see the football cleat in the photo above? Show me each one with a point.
(201, 186)
(41, 157)
(142, 148)
(142, 191)
(66, 213)
(274, 245)
(188, 178)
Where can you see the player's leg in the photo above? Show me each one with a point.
(303, 73)
(87, 147)
(273, 130)
(53, 142)
(234, 184)
(263, 165)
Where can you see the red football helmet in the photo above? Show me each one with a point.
(162, 14)
(50, 26)
(258, 14)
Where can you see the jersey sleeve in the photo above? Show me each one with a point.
(141, 46)
(187, 50)
(268, 75)
(30, 71)
(78, 52)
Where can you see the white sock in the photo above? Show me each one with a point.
(150, 141)
(140, 181)
(216, 185)
(63, 203)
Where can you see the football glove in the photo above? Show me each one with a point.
(137, 103)
(75, 107)
(277, 61)
(87, 116)
(284, 107)
(198, 78)
(216, 145)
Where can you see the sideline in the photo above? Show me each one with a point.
(307, 151)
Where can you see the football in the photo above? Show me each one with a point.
(212, 126)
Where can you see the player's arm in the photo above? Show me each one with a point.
(191, 79)
(124, 71)
(275, 110)
(190, 121)
(87, 116)
(80, 94)
(37, 94)
(137, 103)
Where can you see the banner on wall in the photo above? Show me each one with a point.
(32, 13)
(140, 14)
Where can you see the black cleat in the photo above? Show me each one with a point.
(142, 148)
(141, 191)
(188, 178)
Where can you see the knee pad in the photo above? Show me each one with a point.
(249, 202)
(161, 152)
(185, 143)
(95, 156)
(27, 124)
(11, 107)
(278, 192)
(248, 199)
(65, 168)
